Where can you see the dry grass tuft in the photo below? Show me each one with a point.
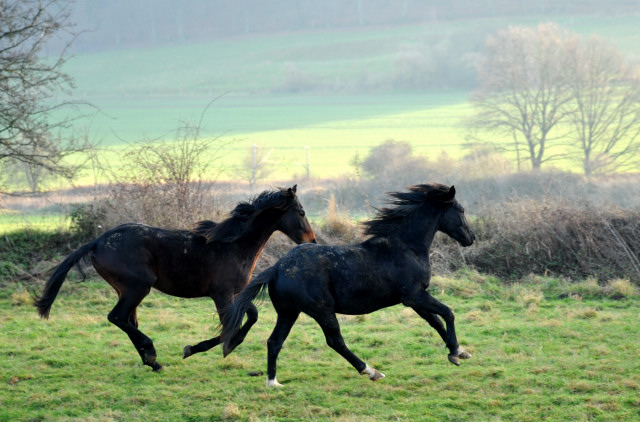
(21, 298)
(337, 224)
(457, 286)
(231, 412)
(620, 289)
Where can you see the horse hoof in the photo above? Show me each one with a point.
(463, 354)
(454, 359)
(273, 383)
(377, 375)
(374, 374)
(157, 367)
(186, 352)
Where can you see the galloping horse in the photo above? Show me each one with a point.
(390, 267)
(214, 260)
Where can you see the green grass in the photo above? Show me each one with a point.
(36, 222)
(537, 355)
(334, 127)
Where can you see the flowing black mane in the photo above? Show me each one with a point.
(388, 220)
(240, 218)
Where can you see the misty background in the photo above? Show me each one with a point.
(113, 24)
(420, 44)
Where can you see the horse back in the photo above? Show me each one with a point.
(140, 256)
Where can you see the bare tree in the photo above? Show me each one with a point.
(606, 113)
(524, 94)
(167, 182)
(257, 165)
(29, 83)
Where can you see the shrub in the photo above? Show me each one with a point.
(557, 237)
(620, 289)
(87, 220)
(338, 225)
(165, 183)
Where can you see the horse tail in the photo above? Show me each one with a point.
(232, 319)
(52, 287)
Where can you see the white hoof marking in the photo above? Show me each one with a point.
(374, 374)
(273, 383)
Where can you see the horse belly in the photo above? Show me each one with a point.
(359, 304)
(362, 292)
(185, 283)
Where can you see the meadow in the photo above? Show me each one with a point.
(542, 349)
(323, 132)
(338, 92)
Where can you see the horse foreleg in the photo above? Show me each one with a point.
(123, 315)
(436, 323)
(203, 346)
(429, 308)
(331, 330)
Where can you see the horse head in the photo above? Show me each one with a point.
(453, 221)
(294, 222)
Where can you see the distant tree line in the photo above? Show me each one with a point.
(117, 23)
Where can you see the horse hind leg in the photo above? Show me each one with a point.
(331, 329)
(280, 333)
(123, 315)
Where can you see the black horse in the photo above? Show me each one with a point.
(214, 260)
(390, 267)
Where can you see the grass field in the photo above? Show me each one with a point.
(43, 222)
(347, 101)
(542, 350)
(334, 127)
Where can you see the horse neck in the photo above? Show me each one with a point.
(260, 230)
(419, 234)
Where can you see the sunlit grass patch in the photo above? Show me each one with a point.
(455, 286)
(11, 222)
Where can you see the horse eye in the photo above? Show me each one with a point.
(302, 213)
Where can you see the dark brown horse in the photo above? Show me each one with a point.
(214, 260)
(389, 268)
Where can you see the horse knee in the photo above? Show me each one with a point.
(447, 315)
(115, 318)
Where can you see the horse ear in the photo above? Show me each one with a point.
(293, 189)
(449, 196)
